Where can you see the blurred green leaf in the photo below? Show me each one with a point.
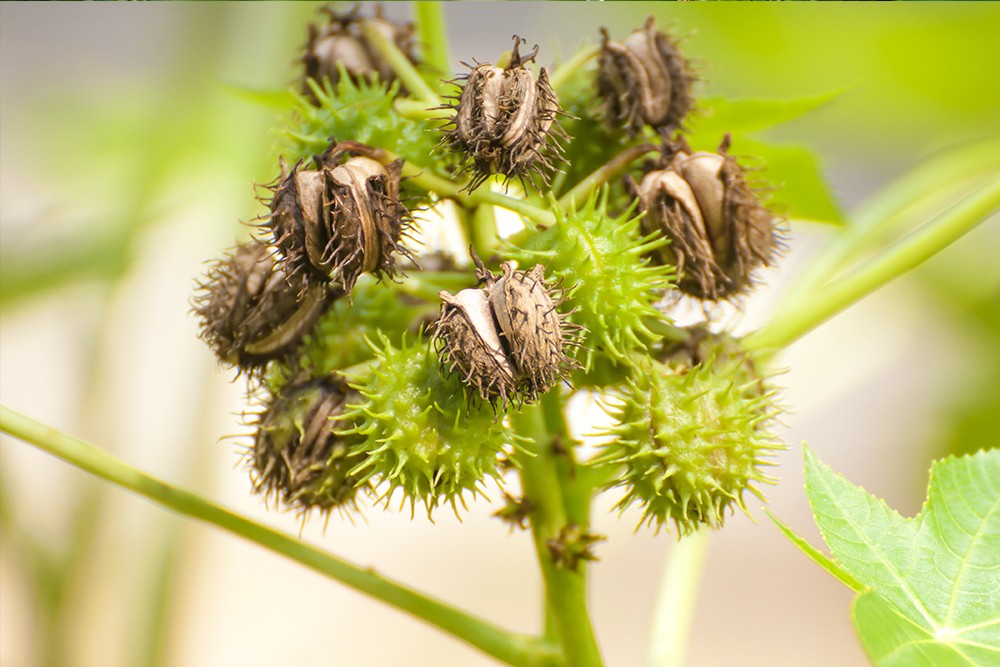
(934, 597)
(720, 114)
(795, 172)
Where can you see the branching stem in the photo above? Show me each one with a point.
(510, 648)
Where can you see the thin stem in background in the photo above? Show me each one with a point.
(603, 174)
(906, 254)
(400, 64)
(433, 36)
(562, 73)
(879, 217)
(675, 604)
(508, 647)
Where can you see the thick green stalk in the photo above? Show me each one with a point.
(565, 588)
(505, 646)
(908, 253)
(678, 594)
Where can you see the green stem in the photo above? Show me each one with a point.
(675, 606)
(562, 73)
(417, 110)
(906, 254)
(417, 175)
(603, 174)
(433, 36)
(565, 589)
(401, 65)
(484, 230)
(426, 285)
(880, 217)
(508, 647)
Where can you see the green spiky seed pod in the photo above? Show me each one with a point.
(719, 229)
(612, 285)
(505, 121)
(340, 46)
(420, 436)
(690, 442)
(252, 312)
(644, 81)
(296, 457)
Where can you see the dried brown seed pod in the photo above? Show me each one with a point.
(296, 457)
(532, 327)
(252, 312)
(507, 340)
(644, 81)
(720, 232)
(468, 342)
(505, 121)
(340, 220)
(342, 44)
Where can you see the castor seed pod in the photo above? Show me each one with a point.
(720, 231)
(532, 328)
(690, 442)
(340, 220)
(296, 457)
(468, 342)
(252, 312)
(505, 121)
(644, 81)
(341, 44)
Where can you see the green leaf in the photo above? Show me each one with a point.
(719, 115)
(800, 189)
(935, 578)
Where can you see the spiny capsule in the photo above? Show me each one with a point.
(506, 339)
(338, 221)
(505, 121)
(296, 456)
(720, 232)
(644, 81)
(252, 312)
(342, 44)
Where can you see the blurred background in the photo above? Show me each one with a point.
(126, 161)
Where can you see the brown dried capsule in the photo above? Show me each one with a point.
(644, 81)
(532, 328)
(342, 44)
(296, 457)
(506, 340)
(720, 231)
(505, 121)
(468, 342)
(251, 312)
(340, 220)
